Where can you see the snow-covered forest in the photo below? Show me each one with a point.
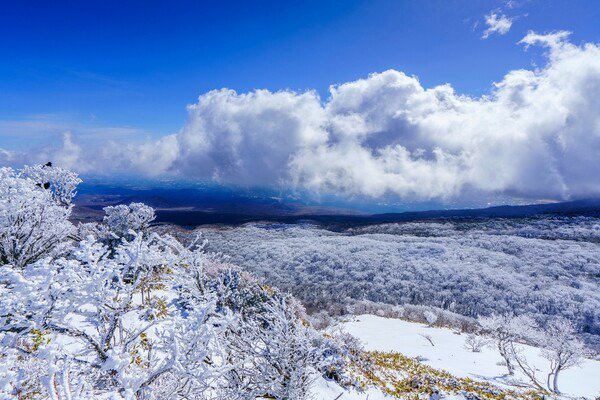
(122, 309)
(541, 267)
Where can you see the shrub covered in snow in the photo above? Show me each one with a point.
(476, 343)
(431, 317)
(124, 221)
(35, 206)
(113, 311)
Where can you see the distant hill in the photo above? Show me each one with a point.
(580, 207)
(195, 218)
(196, 207)
(193, 208)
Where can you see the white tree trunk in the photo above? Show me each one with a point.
(555, 382)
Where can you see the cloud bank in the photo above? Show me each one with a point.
(536, 135)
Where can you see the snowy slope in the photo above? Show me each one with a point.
(450, 354)
(327, 390)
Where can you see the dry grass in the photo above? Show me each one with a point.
(406, 378)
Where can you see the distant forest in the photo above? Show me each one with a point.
(540, 266)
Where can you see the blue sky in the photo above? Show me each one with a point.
(433, 100)
(137, 64)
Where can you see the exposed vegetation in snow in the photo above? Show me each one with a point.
(405, 362)
(401, 377)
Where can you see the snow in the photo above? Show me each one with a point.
(74, 321)
(450, 354)
(327, 390)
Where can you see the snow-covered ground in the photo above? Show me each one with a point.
(449, 353)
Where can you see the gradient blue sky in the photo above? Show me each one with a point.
(136, 64)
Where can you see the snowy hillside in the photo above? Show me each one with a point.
(113, 311)
(116, 310)
(449, 353)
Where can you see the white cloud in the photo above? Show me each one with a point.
(250, 138)
(536, 135)
(496, 23)
(6, 157)
(552, 40)
(68, 155)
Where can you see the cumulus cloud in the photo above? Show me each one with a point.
(68, 155)
(250, 138)
(536, 135)
(496, 24)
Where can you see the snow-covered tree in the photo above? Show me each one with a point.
(560, 346)
(475, 342)
(276, 355)
(85, 304)
(558, 340)
(35, 206)
(562, 349)
(431, 317)
(124, 221)
(269, 351)
(61, 183)
(505, 330)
